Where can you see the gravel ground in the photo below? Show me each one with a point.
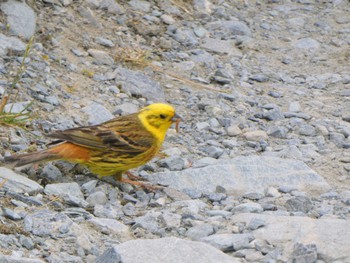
(260, 169)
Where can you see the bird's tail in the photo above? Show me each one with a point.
(29, 158)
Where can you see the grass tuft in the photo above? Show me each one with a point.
(7, 117)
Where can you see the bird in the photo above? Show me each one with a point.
(112, 147)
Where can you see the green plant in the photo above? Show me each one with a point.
(8, 117)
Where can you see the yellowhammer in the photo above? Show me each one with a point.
(112, 147)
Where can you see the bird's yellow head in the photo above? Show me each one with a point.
(157, 118)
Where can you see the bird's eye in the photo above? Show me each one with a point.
(162, 116)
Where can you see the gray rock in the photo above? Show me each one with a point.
(18, 107)
(212, 151)
(110, 255)
(112, 7)
(200, 231)
(304, 253)
(10, 44)
(97, 113)
(104, 42)
(202, 6)
(278, 132)
(175, 249)
(221, 213)
(256, 223)
(108, 225)
(306, 43)
(149, 221)
(337, 138)
(273, 115)
(221, 46)
(89, 186)
(97, 198)
(172, 163)
(171, 220)
(202, 126)
(9, 213)
(294, 106)
(244, 174)
(27, 242)
(228, 29)
(249, 207)
(17, 183)
(140, 5)
(299, 203)
(101, 57)
(129, 209)
(282, 231)
(259, 77)
(79, 53)
(138, 84)
(307, 130)
(63, 189)
(185, 36)
(14, 259)
(20, 17)
(51, 172)
(45, 223)
(229, 242)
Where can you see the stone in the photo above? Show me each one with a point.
(255, 135)
(229, 242)
(200, 231)
(299, 203)
(97, 113)
(212, 151)
(173, 250)
(101, 57)
(112, 7)
(110, 255)
(104, 42)
(138, 84)
(150, 222)
(172, 163)
(228, 28)
(51, 172)
(220, 47)
(20, 17)
(249, 207)
(107, 225)
(307, 43)
(244, 174)
(140, 5)
(18, 183)
(11, 44)
(62, 189)
(45, 223)
(14, 259)
(97, 198)
(304, 253)
(18, 107)
(256, 223)
(282, 231)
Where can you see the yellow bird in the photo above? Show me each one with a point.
(110, 148)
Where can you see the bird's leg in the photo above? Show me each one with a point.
(133, 177)
(3, 182)
(143, 185)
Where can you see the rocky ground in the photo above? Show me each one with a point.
(260, 169)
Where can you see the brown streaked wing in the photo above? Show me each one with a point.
(122, 134)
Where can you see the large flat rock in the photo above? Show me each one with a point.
(331, 236)
(18, 183)
(245, 174)
(164, 250)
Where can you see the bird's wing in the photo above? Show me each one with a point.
(124, 134)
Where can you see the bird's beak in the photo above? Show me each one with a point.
(176, 119)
